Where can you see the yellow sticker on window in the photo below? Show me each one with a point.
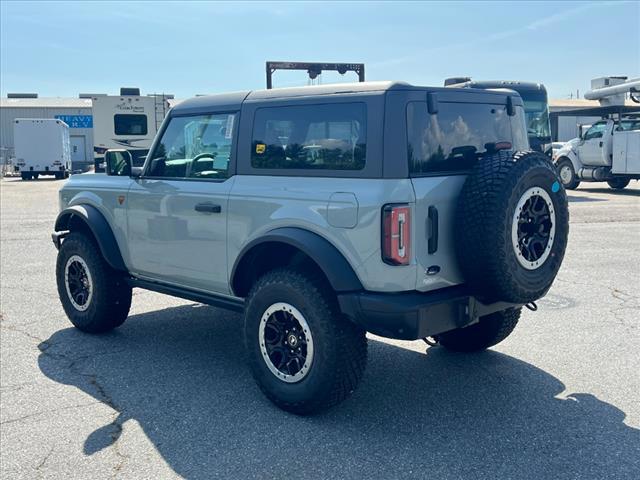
(260, 148)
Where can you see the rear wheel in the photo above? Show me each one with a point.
(95, 298)
(567, 174)
(25, 176)
(618, 183)
(303, 354)
(489, 331)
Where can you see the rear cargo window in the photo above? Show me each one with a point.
(130, 124)
(453, 139)
(319, 137)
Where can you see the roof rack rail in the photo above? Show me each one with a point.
(314, 69)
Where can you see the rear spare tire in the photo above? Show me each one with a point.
(512, 224)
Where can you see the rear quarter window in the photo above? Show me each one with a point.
(313, 137)
(452, 140)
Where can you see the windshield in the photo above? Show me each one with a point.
(537, 117)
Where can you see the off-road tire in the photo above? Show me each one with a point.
(111, 297)
(574, 182)
(489, 331)
(340, 347)
(618, 183)
(25, 176)
(487, 204)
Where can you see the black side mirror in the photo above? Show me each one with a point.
(118, 162)
(432, 103)
(511, 111)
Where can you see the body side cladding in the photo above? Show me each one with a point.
(335, 267)
(99, 227)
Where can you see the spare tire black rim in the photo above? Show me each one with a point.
(78, 282)
(285, 342)
(533, 228)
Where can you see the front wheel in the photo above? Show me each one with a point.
(618, 183)
(303, 354)
(567, 174)
(489, 331)
(95, 298)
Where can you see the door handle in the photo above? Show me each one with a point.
(600, 143)
(433, 230)
(208, 207)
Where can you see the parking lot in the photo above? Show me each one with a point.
(168, 394)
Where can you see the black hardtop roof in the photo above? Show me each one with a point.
(233, 101)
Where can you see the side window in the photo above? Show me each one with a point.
(130, 124)
(196, 146)
(322, 137)
(595, 131)
(453, 139)
(519, 130)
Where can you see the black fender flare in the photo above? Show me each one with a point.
(99, 227)
(336, 268)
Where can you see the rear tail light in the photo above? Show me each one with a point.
(396, 234)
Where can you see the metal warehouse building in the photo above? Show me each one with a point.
(75, 112)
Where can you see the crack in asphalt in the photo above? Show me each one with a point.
(618, 294)
(43, 462)
(45, 412)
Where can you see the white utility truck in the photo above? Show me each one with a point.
(41, 147)
(127, 121)
(609, 150)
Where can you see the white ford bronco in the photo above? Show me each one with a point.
(322, 213)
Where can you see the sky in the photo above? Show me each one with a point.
(61, 49)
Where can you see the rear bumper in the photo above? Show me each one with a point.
(415, 315)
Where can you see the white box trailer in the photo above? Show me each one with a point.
(41, 147)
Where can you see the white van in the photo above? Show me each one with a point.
(41, 147)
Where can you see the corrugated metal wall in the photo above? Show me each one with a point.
(8, 114)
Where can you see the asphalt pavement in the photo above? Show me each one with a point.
(168, 394)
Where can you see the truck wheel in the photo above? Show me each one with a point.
(304, 356)
(511, 227)
(25, 176)
(95, 297)
(35, 176)
(489, 331)
(567, 174)
(618, 183)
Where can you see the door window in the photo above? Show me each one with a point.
(596, 131)
(197, 147)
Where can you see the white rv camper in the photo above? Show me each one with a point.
(41, 147)
(126, 121)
